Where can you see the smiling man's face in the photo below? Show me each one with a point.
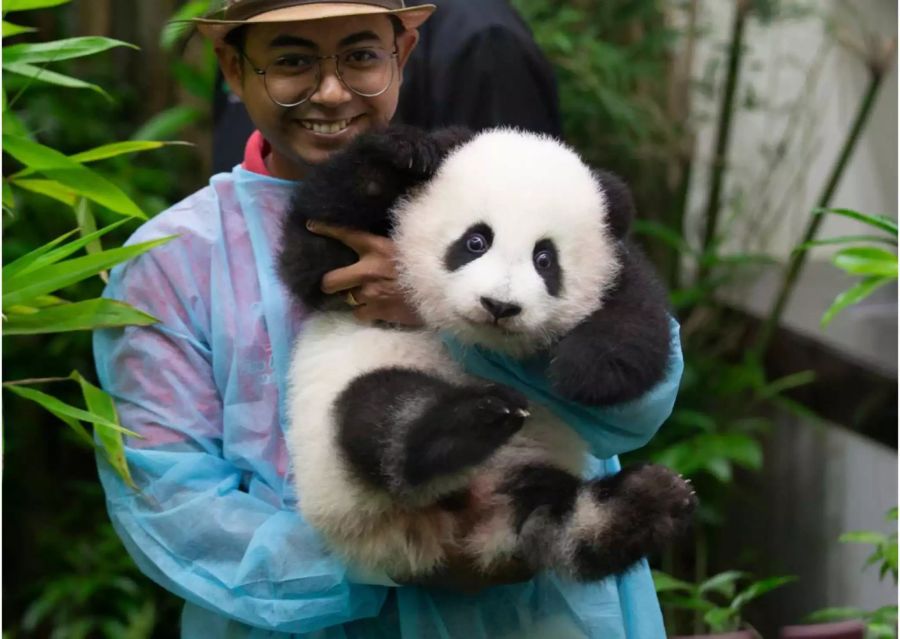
(333, 115)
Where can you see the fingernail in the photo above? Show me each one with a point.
(310, 225)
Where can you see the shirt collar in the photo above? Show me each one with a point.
(255, 154)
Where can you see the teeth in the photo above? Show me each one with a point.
(325, 127)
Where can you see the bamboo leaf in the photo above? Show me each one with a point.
(49, 254)
(836, 614)
(723, 583)
(862, 537)
(758, 589)
(55, 405)
(878, 221)
(70, 173)
(48, 279)
(10, 29)
(86, 315)
(855, 294)
(168, 123)
(110, 150)
(866, 260)
(55, 50)
(846, 239)
(28, 5)
(662, 233)
(8, 200)
(111, 440)
(50, 188)
(42, 74)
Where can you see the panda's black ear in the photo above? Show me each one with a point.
(619, 202)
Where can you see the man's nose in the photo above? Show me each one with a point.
(331, 91)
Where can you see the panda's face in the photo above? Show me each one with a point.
(508, 245)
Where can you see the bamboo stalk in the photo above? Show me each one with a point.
(798, 259)
(723, 133)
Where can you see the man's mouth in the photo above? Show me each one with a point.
(326, 126)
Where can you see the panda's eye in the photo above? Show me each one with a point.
(543, 260)
(476, 243)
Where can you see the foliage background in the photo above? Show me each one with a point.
(630, 104)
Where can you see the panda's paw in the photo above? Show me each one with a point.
(646, 508)
(408, 150)
(462, 431)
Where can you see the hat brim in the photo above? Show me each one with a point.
(411, 17)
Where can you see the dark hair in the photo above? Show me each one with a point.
(237, 37)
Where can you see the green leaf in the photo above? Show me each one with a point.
(835, 614)
(55, 405)
(80, 179)
(9, 200)
(846, 239)
(179, 25)
(10, 29)
(50, 278)
(28, 5)
(109, 151)
(786, 383)
(664, 582)
(662, 233)
(863, 537)
(878, 221)
(55, 50)
(87, 225)
(168, 123)
(49, 254)
(891, 515)
(866, 260)
(50, 188)
(724, 583)
(86, 315)
(721, 619)
(758, 589)
(720, 469)
(853, 295)
(42, 74)
(111, 440)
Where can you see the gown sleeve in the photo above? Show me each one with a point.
(205, 529)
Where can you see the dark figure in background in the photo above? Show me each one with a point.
(476, 65)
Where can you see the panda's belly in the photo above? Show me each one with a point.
(331, 351)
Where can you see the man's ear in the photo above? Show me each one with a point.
(232, 65)
(620, 210)
(406, 42)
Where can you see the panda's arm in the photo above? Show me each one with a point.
(355, 189)
(622, 350)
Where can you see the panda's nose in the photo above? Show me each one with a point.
(500, 309)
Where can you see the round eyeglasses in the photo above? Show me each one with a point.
(292, 78)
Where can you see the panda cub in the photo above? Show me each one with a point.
(507, 241)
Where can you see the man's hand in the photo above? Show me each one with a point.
(372, 281)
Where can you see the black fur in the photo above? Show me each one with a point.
(619, 203)
(622, 350)
(552, 275)
(537, 486)
(445, 429)
(649, 507)
(356, 188)
(459, 254)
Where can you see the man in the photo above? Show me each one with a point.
(476, 65)
(214, 516)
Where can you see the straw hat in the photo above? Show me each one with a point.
(235, 13)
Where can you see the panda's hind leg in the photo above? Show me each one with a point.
(588, 530)
(415, 434)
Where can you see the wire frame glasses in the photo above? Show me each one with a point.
(292, 78)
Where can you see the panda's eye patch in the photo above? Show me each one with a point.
(472, 244)
(546, 263)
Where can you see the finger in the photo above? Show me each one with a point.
(355, 275)
(360, 241)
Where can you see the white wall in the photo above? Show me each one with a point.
(790, 63)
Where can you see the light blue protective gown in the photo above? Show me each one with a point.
(215, 519)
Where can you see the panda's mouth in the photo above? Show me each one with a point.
(494, 326)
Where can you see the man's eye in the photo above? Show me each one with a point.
(362, 57)
(295, 62)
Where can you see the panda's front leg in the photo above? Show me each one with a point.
(415, 435)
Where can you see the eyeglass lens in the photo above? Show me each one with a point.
(293, 77)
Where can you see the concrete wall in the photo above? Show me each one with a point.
(807, 87)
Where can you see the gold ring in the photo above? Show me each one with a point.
(351, 300)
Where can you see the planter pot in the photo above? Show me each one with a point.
(740, 634)
(842, 630)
